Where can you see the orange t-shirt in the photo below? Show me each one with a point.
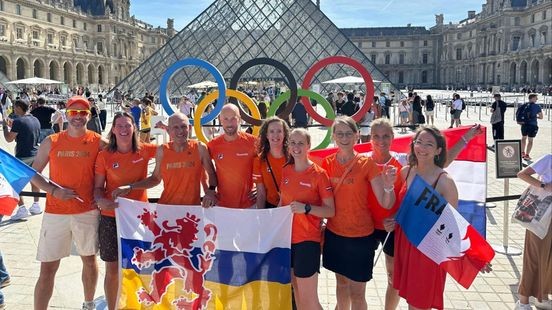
(181, 173)
(262, 175)
(352, 215)
(124, 168)
(309, 186)
(378, 212)
(72, 166)
(234, 167)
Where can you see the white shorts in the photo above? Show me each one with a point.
(429, 113)
(60, 230)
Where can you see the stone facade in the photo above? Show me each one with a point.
(509, 43)
(81, 42)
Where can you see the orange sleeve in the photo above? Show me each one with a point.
(324, 186)
(257, 174)
(99, 166)
(149, 150)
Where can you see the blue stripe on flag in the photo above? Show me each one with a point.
(229, 267)
(419, 210)
(474, 212)
(15, 171)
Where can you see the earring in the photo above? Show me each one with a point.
(436, 158)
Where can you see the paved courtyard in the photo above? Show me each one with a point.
(497, 290)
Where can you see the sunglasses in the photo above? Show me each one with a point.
(73, 113)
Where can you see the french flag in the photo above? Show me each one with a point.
(469, 170)
(433, 226)
(14, 176)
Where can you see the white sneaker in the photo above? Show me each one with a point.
(88, 305)
(35, 209)
(21, 213)
(544, 305)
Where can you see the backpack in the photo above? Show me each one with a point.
(523, 114)
(463, 105)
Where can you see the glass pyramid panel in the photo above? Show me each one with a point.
(231, 32)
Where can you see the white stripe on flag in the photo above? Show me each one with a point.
(470, 179)
(6, 190)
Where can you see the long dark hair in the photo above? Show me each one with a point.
(263, 145)
(440, 159)
(112, 145)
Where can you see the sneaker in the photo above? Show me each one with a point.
(527, 157)
(21, 213)
(5, 282)
(544, 305)
(88, 305)
(35, 209)
(520, 306)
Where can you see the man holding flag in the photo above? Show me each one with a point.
(71, 214)
(25, 131)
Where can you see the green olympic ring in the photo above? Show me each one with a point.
(330, 114)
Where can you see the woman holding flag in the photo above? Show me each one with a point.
(124, 161)
(307, 190)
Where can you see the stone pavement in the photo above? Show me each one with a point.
(497, 290)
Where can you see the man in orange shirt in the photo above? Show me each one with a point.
(233, 153)
(180, 164)
(71, 214)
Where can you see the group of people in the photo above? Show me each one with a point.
(358, 194)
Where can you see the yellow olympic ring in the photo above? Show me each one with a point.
(230, 93)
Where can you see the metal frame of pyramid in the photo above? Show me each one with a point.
(231, 32)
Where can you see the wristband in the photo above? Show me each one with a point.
(307, 208)
(389, 190)
(212, 187)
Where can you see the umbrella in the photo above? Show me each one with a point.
(348, 80)
(35, 81)
(204, 84)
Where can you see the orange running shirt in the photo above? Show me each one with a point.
(122, 169)
(378, 212)
(262, 175)
(72, 166)
(234, 167)
(181, 173)
(352, 216)
(309, 186)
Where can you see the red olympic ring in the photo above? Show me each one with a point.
(338, 60)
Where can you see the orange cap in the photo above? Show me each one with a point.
(77, 99)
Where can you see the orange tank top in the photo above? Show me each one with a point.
(181, 173)
(72, 166)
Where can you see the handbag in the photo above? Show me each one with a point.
(496, 117)
(534, 210)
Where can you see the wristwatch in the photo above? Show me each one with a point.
(307, 208)
(212, 187)
(543, 185)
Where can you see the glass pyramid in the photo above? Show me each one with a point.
(231, 32)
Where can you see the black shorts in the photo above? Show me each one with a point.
(350, 257)
(529, 130)
(389, 248)
(107, 235)
(305, 258)
(147, 130)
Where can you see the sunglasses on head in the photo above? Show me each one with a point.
(73, 113)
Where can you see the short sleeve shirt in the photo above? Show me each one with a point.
(262, 175)
(27, 128)
(543, 167)
(310, 186)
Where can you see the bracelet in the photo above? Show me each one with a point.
(389, 190)
(465, 140)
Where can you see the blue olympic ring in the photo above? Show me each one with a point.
(163, 88)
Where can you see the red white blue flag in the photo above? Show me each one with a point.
(14, 176)
(433, 226)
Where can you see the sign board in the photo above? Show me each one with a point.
(508, 158)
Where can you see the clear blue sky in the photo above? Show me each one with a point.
(344, 13)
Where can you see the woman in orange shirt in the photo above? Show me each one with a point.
(306, 189)
(125, 160)
(272, 155)
(349, 244)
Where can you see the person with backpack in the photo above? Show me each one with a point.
(527, 116)
(456, 109)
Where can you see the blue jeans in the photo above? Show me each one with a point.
(3, 276)
(45, 133)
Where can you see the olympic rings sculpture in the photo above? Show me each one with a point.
(290, 96)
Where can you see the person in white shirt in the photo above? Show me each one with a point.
(456, 110)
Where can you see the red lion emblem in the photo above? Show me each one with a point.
(172, 247)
